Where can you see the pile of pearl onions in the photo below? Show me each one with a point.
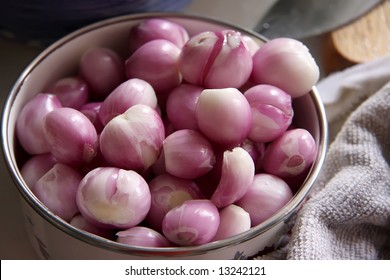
(227, 115)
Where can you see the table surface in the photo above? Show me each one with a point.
(14, 57)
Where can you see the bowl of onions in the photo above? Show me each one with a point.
(164, 135)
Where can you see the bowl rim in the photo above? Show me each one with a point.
(291, 207)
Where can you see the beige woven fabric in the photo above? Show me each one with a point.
(348, 216)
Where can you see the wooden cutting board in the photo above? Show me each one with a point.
(362, 40)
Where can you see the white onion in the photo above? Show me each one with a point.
(224, 116)
(287, 64)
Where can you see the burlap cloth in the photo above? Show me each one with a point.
(347, 215)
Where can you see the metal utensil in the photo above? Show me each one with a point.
(304, 18)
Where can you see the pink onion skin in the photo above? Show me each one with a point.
(35, 167)
(29, 128)
(237, 173)
(224, 116)
(72, 91)
(195, 55)
(181, 104)
(265, 196)
(57, 190)
(134, 139)
(272, 112)
(291, 154)
(71, 136)
(287, 64)
(78, 221)
(216, 60)
(194, 222)
(142, 236)
(250, 43)
(157, 28)
(129, 93)
(188, 154)
(102, 69)
(91, 111)
(233, 220)
(110, 197)
(252, 149)
(167, 192)
(157, 63)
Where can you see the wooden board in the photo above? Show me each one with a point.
(363, 40)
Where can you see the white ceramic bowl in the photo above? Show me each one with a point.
(54, 238)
